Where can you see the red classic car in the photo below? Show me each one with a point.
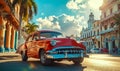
(51, 46)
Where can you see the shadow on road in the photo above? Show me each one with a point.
(37, 66)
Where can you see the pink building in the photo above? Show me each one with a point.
(109, 33)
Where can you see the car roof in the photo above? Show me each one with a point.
(44, 31)
(48, 31)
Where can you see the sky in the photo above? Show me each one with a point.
(67, 16)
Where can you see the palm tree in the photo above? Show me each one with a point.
(30, 28)
(27, 9)
(117, 23)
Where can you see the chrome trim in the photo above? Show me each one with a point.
(65, 52)
(63, 56)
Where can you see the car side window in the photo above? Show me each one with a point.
(36, 37)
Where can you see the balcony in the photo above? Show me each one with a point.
(108, 30)
(106, 4)
(109, 16)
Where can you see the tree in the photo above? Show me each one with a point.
(117, 23)
(27, 9)
(30, 28)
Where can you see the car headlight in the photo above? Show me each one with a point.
(53, 42)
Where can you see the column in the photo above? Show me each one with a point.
(110, 47)
(16, 40)
(12, 41)
(8, 37)
(1, 35)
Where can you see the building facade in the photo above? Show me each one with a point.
(96, 34)
(90, 34)
(103, 33)
(8, 27)
(109, 33)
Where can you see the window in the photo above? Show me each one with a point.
(91, 33)
(36, 37)
(97, 32)
(94, 33)
(51, 34)
(105, 27)
(111, 25)
(104, 14)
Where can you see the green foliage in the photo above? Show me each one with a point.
(27, 8)
(30, 27)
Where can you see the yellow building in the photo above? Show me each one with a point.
(8, 28)
(96, 32)
(109, 33)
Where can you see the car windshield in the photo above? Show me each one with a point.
(51, 34)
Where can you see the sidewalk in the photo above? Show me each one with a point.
(9, 54)
(116, 55)
(113, 55)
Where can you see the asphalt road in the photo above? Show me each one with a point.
(95, 62)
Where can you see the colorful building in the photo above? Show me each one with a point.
(96, 32)
(8, 28)
(109, 33)
(88, 34)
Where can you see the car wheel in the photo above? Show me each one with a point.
(24, 56)
(43, 59)
(78, 61)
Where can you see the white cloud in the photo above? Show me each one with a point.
(76, 4)
(72, 5)
(56, 26)
(69, 25)
(47, 23)
(78, 1)
(83, 7)
(95, 4)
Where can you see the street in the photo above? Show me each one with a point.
(95, 62)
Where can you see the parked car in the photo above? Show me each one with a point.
(51, 46)
(104, 50)
(95, 50)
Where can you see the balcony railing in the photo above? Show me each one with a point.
(109, 16)
(108, 30)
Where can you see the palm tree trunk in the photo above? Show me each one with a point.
(19, 32)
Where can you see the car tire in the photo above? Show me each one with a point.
(43, 59)
(24, 56)
(78, 61)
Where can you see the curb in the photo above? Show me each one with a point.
(9, 54)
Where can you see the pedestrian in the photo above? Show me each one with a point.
(116, 49)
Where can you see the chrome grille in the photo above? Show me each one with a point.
(69, 51)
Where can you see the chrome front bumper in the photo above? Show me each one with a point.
(65, 52)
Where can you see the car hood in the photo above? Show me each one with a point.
(65, 42)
